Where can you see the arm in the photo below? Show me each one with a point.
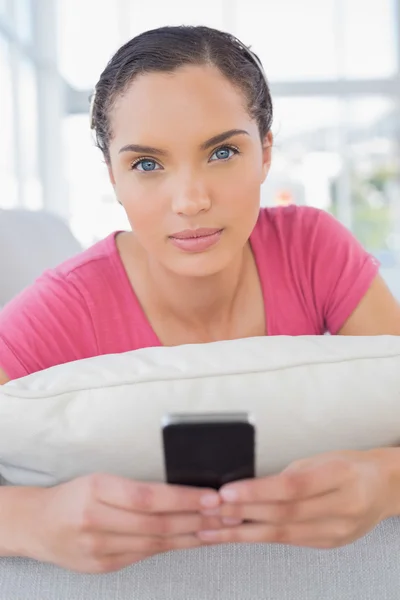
(102, 523)
(3, 378)
(14, 509)
(15, 506)
(378, 313)
(341, 273)
(349, 492)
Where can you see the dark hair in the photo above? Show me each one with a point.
(168, 48)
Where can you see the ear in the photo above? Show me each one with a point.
(267, 154)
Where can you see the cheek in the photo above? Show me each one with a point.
(144, 202)
(146, 210)
(241, 188)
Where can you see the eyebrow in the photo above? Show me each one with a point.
(222, 137)
(216, 139)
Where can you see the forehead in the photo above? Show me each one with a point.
(193, 100)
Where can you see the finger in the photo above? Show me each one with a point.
(106, 545)
(317, 479)
(321, 507)
(319, 534)
(151, 497)
(108, 519)
(115, 562)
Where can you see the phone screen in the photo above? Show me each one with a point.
(209, 451)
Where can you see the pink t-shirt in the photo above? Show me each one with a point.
(313, 275)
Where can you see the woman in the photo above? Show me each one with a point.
(183, 118)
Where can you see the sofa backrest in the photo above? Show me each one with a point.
(30, 243)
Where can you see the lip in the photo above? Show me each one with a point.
(194, 233)
(196, 240)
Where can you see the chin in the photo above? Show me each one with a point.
(203, 264)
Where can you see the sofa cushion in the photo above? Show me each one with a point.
(306, 396)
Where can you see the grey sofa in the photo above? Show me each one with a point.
(30, 242)
(366, 570)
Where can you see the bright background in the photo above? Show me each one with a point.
(334, 70)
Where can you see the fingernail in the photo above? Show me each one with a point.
(231, 522)
(209, 500)
(229, 495)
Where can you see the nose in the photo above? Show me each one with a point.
(190, 198)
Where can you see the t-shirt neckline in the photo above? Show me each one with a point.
(149, 332)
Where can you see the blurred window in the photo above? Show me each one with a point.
(295, 40)
(88, 36)
(8, 181)
(368, 38)
(321, 39)
(23, 20)
(28, 119)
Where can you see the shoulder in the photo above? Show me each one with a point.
(320, 257)
(304, 231)
(101, 255)
(71, 284)
(57, 318)
(86, 274)
(292, 221)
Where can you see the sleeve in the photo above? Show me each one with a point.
(341, 270)
(48, 324)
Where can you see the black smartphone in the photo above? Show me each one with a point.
(208, 450)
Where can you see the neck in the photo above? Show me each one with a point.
(200, 301)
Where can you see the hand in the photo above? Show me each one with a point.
(323, 502)
(102, 523)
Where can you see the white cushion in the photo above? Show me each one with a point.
(306, 395)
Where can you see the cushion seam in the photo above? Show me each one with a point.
(43, 395)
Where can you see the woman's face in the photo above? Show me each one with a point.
(185, 156)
